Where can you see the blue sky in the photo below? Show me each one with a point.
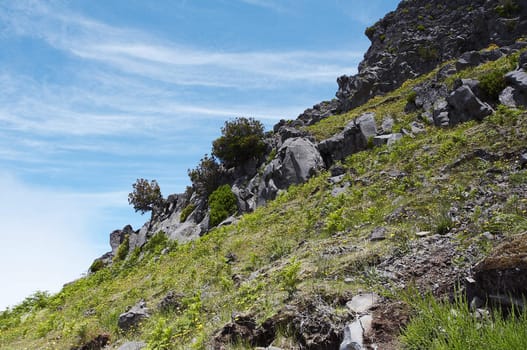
(95, 94)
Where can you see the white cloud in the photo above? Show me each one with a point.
(45, 237)
(135, 52)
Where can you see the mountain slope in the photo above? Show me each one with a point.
(410, 212)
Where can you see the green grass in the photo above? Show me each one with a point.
(440, 325)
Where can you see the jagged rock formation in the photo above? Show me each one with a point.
(408, 42)
(419, 35)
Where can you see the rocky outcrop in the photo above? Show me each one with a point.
(319, 111)
(117, 237)
(515, 95)
(501, 278)
(133, 317)
(352, 139)
(420, 34)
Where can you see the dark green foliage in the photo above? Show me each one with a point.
(241, 140)
(123, 249)
(411, 97)
(156, 243)
(206, 176)
(493, 84)
(186, 212)
(96, 266)
(222, 204)
(146, 196)
(507, 8)
(421, 28)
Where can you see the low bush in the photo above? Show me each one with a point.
(222, 204)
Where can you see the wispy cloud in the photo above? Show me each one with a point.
(136, 52)
(277, 6)
(44, 234)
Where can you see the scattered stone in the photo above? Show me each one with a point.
(417, 128)
(508, 97)
(134, 316)
(378, 234)
(422, 233)
(97, 343)
(523, 160)
(231, 258)
(362, 302)
(132, 345)
(387, 125)
(172, 302)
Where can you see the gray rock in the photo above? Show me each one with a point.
(362, 302)
(133, 317)
(320, 111)
(518, 81)
(354, 333)
(523, 61)
(394, 138)
(378, 234)
(387, 125)
(352, 139)
(381, 140)
(132, 345)
(117, 237)
(508, 97)
(171, 302)
(464, 106)
(296, 161)
(417, 128)
(367, 126)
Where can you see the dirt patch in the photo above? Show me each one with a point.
(388, 320)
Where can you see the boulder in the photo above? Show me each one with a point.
(133, 317)
(465, 106)
(296, 161)
(501, 278)
(354, 333)
(352, 139)
(515, 95)
(362, 302)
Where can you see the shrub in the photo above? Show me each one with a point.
(507, 8)
(146, 196)
(222, 204)
(122, 250)
(241, 140)
(290, 277)
(206, 176)
(493, 84)
(96, 266)
(186, 212)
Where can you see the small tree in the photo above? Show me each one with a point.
(206, 177)
(146, 196)
(241, 140)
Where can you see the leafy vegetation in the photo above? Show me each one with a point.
(186, 212)
(146, 196)
(241, 140)
(222, 204)
(442, 325)
(206, 177)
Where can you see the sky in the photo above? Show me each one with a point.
(96, 93)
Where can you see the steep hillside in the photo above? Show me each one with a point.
(397, 224)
